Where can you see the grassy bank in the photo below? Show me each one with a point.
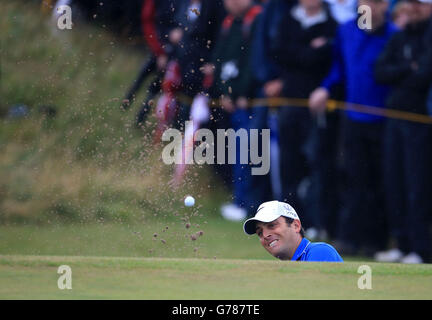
(32, 277)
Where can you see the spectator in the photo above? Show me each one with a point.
(401, 14)
(266, 73)
(303, 51)
(234, 86)
(355, 53)
(199, 24)
(323, 150)
(190, 40)
(157, 23)
(406, 65)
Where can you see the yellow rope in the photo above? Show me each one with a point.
(332, 105)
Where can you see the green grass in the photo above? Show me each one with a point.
(35, 277)
(126, 261)
(220, 239)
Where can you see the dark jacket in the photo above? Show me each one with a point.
(208, 25)
(264, 66)
(231, 56)
(198, 40)
(303, 67)
(394, 67)
(157, 20)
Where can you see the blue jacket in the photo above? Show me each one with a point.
(263, 65)
(316, 251)
(354, 56)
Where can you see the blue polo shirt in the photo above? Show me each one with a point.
(316, 251)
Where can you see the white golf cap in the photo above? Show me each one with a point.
(267, 212)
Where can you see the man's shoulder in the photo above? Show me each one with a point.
(321, 246)
(321, 251)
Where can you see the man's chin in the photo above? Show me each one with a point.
(282, 257)
(278, 254)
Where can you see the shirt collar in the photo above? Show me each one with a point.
(299, 13)
(300, 249)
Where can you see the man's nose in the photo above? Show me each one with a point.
(266, 234)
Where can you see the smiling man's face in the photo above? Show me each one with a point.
(278, 238)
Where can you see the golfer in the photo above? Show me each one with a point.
(281, 234)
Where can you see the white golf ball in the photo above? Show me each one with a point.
(189, 201)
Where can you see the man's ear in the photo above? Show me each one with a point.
(297, 225)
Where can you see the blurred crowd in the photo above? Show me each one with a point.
(360, 179)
